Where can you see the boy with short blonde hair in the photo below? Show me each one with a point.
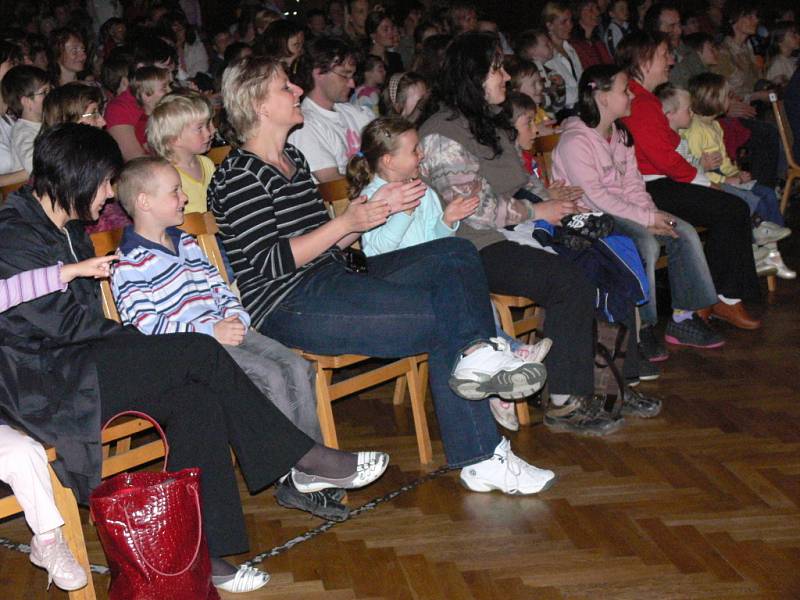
(164, 283)
(180, 130)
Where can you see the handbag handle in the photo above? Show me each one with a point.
(196, 549)
(149, 419)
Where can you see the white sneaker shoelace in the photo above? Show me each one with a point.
(61, 566)
(246, 579)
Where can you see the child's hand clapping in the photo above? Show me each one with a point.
(745, 176)
(401, 196)
(559, 190)
(460, 208)
(98, 267)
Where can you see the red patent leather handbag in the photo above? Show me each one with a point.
(151, 528)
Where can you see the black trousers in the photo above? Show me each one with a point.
(764, 148)
(205, 403)
(561, 288)
(728, 244)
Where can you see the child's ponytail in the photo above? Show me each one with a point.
(377, 139)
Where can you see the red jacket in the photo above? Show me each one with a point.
(653, 139)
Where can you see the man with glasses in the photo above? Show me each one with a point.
(24, 88)
(331, 133)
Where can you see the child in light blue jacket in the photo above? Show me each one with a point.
(390, 152)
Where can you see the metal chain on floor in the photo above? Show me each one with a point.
(303, 537)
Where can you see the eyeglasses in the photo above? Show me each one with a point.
(92, 115)
(75, 50)
(345, 76)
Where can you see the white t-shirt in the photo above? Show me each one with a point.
(23, 135)
(328, 138)
(569, 69)
(8, 162)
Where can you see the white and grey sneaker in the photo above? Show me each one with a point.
(505, 413)
(534, 353)
(56, 558)
(768, 232)
(506, 472)
(494, 370)
(370, 466)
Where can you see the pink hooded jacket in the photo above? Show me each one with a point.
(607, 172)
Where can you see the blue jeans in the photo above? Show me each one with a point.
(762, 201)
(690, 280)
(428, 298)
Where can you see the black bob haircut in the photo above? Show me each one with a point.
(70, 163)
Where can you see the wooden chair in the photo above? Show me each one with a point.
(7, 190)
(543, 152)
(218, 154)
(787, 141)
(408, 373)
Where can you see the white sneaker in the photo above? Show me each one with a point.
(760, 252)
(493, 370)
(534, 353)
(774, 259)
(57, 559)
(768, 232)
(369, 467)
(507, 472)
(246, 579)
(505, 413)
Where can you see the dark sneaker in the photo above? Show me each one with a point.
(580, 230)
(325, 504)
(636, 404)
(694, 332)
(648, 371)
(583, 415)
(650, 348)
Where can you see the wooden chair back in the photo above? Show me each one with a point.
(204, 227)
(9, 189)
(787, 141)
(218, 154)
(543, 152)
(335, 193)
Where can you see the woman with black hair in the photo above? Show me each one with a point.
(382, 36)
(469, 149)
(596, 152)
(283, 40)
(71, 369)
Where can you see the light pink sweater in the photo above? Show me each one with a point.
(606, 170)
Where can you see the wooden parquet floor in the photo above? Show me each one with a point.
(700, 502)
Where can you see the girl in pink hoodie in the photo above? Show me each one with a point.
(596, 153)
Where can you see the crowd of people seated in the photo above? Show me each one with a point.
(667, 145)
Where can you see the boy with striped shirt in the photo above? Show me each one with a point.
(164, 283)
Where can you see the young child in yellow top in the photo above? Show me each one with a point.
(180, 130)
(704, 138)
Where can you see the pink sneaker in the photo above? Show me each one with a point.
(56, 558)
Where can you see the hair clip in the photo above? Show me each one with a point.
(394, 83)
(592, 85)
(359, 154)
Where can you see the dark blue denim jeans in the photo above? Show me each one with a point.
(429, 298)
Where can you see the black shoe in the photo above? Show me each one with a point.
(648, 371)
(636, 404)
(694, 332)
(650, 347)
(325, 504)
(583, 415)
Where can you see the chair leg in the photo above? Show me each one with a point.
(506, 320)
(423, 378)
(772, 283)
(523, 413)
(417, 394)
(787, 190)
(73, 533)
(324, 408)
(399, 397)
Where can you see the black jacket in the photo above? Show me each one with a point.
(48, 380)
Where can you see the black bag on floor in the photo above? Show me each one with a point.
(609, 357)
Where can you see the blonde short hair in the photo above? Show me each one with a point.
(144, 80)
(138, 176)
(670, 97)
(244, 83)
(172, 113)
(553, 10)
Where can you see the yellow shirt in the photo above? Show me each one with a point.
(196, 189)
(705, 135)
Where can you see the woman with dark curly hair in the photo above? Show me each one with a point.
(469, 149)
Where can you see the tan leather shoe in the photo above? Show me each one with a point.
(735, 314)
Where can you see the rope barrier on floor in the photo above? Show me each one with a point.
(288, 545)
